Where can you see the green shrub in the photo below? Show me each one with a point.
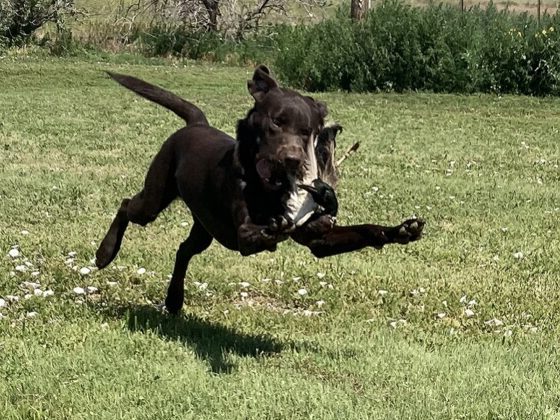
(436, 48)
(19, 19)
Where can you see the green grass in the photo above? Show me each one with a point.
(482, 170)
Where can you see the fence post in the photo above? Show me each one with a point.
(539, 13)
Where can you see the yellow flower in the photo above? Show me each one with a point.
(551, 29)
(544, 32)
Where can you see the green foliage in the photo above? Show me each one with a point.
(186, 42)
(436, 48)
(19, 19)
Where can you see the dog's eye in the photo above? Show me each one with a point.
(276, 123)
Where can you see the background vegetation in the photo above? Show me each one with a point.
(436, 48)
(315, 46)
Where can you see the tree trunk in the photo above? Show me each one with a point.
(212, 7)
(358, 9)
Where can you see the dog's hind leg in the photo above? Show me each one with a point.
(136, 210)
(160, 189)
(111, 244)
(198, 240)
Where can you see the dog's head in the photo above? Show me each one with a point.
(275, 136)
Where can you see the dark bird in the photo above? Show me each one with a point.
(323, 194)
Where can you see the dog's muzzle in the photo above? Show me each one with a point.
(278, 174)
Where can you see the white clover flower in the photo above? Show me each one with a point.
(14, 253)
(494, 322)
(201, 286)
(31, 285)
(84, 271)
(469, 313)
(302, 292)
(79, 290)
(141, 270)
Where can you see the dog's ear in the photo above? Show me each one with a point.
(261, 83)
(320, 107)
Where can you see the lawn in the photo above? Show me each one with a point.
(462, 324)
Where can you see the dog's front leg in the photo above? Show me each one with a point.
(254, 238)
(324, 241)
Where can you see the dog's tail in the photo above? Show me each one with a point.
(184, 109)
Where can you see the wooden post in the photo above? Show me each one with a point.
(539, 13)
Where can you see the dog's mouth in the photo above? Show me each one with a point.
(273, 176)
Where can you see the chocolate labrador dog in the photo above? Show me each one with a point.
(237, 189)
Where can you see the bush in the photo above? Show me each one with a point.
(436, 48)
(184, 41)
(19, 19)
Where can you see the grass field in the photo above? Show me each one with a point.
(463, 324)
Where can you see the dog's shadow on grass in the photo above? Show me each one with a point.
(210, 341)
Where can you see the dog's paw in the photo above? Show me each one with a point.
(409, 231)
(174, 302)
(256, 238)
(104, 256)
(279, 224)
